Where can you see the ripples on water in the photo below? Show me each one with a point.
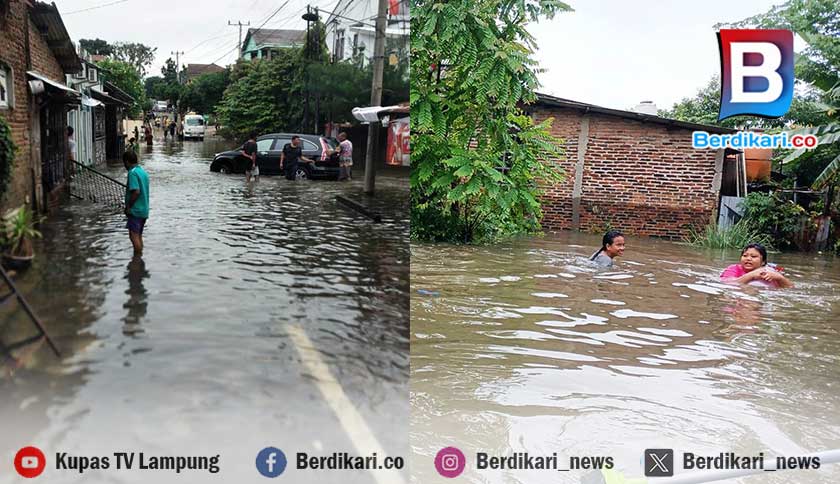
(529, 347)
(193, 339)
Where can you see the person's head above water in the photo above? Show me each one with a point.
(753, 256)
(612, 245)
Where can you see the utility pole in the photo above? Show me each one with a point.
(240, 24)
(306, 58)
(376, 96)
(318, 59)
(177, 65)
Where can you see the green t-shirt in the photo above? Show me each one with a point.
(138, 180)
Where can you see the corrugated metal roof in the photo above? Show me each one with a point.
(546, 100)
(45, 16)
(275, 37)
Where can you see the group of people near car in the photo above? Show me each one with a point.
(752, 269)
(292, 156)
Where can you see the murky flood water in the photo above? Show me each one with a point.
(526, 347)
(201, 347)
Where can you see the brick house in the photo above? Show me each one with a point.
(36, 55)
(633, 172)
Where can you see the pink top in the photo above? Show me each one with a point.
(733, 272)
(737, 270)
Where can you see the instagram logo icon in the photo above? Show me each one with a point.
(450, 462)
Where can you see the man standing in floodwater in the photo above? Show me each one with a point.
(292, 153)
(136, 200)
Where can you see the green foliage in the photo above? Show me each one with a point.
(19, 230)
(473, 69)
(125, 77)
(781, 219)
(7, 156)
(315, 47)
(96, 46)
(734, 237)
(344, 86)
(205, 92)
(135, 54)
(264, 96)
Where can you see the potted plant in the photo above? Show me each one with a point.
(18, 232)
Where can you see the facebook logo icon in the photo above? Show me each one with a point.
(271, 462)
(756, 72)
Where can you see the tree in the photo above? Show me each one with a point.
(152, 85)
(204, 93)
(126, 78)
(138, 55)
(264, 96)
(96, 46)
(478, 160)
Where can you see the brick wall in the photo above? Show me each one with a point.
(13, 54)
(640, 178)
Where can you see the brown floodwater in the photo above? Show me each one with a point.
(189, 351)
(526, 347)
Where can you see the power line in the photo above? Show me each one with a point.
(94, 8)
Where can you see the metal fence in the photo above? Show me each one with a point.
(86, 183)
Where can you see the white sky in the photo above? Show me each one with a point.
(617, 53)
(181, 25)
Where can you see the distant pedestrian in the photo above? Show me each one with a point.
(291, 156)
(71, 151)
(148, 134)
(249, 151)
(136, 200)
(172, 129)
(136, 133)
(345, 158)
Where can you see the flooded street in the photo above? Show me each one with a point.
(524, 346)
(206, 346)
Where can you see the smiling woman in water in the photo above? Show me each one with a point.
(753, 268)
(612, 246)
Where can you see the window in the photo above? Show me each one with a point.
(308, 145)
(195, 121)
(355, 45)
(7, 82)
(264, 144)
(280, 143)
(91, 75)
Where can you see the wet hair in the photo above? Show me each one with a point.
(295, 137)
(130, 157)
(69, 131)
(252, 135)
(608, 239)
(760, 248)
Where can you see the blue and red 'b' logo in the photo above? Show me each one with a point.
(756, 72)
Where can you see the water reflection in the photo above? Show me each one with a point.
(193, 337)
(136, 305)
(526, 347)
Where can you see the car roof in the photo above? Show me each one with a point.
(310, 137)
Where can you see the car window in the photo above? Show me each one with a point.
(195, 122)
(309, 146)
(264, 144)
(279, 143)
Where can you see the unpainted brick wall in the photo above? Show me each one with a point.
(640, 178)
(13, 54)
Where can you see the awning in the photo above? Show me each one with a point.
(105, 98)
(56, 89)
(90, 102)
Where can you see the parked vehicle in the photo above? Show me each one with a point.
(161, 106)
(194, 126)
(269, 149)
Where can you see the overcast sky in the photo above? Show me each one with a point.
(618, 53)
(181, 25)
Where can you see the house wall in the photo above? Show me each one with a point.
(640, 178)
(28, 159)
(364, 10)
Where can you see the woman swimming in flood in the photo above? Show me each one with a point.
(753, 268)
(612, 246)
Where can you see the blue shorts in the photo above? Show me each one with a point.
(135, 224)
